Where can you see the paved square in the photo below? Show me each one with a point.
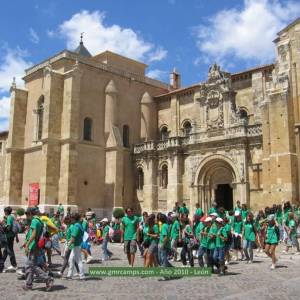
(254, 281)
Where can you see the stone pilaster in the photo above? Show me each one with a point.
(13, 175)
(175, 191)
(53, 93)
(150, 189)
(70, 136)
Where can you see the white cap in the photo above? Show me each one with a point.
(208, 219)
(219, 220)
(104, 220)
(236, 213)
(213, 214)
(174, 215)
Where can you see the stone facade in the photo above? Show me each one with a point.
(96, 132)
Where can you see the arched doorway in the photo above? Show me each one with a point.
(216, 182)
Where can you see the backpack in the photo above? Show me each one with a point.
(44, 241)
(16, 228)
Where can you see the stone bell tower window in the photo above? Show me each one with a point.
(87, 129)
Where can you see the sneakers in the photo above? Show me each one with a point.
(49, 284)
(21, 272)
(59, 273)
(273, 267)
(89, 259)
(27, 288)
(249, 261)
(12, 268)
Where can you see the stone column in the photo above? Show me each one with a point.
(150, 189)
(13, 175)
(174, 192)
(148, 118)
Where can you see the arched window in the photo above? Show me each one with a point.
(140, 179)
(87, 129)
(164, 177)
(126, 136)
(164, 133)
(40, 117)
(244, 115)
(187, 128)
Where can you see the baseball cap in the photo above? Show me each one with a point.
(236, 213)
(208, 219)
(104, 220)
(213, 214)
(219, 220)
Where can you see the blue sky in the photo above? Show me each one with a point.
(186, 34)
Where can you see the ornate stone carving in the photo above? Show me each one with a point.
(214, 110)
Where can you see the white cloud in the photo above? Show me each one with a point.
(34, 36)
(157, 74)
(12, 65)
(99, 37)
(4, 112)
(246, 33)
(157, 55)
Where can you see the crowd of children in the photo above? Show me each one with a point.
(213, 239)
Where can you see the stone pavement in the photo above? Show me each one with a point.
(244, 281)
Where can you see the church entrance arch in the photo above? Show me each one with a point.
(216, 181)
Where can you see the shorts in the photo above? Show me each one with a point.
(274, 244)
(130, 247)
(153, 248)
(237, 243)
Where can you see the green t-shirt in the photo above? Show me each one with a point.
(85, 225)
(36, 224)
(199, 212)
(272, 237)
(56, 222)
(77, 234)
(220, 243)
(293, 228)
(130, 227)
(231, 219)
(183, 210)
(155, 230)
(239, 209)
(198, 231)
(187, 232)
(164, 233)
(106, 231)
(228, 228)
(60, 209)
(211, 241)
(279, 217)
(204, 237)
(238, 226)
(212, 210)
(249, 232)
(244, 214)
(10, 222)
(175, 230)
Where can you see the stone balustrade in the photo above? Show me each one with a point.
(200, 137)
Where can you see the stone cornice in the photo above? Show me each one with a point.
(88, 61)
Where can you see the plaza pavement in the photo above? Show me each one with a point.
(244, 281)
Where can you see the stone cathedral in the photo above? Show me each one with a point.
(94, 131)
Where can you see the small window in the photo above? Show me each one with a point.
(187, 128)
(164, 133)
(40, 117)
(244, 116)
(140, 179)
(164, 177)
(126, 143)
(87, 129)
